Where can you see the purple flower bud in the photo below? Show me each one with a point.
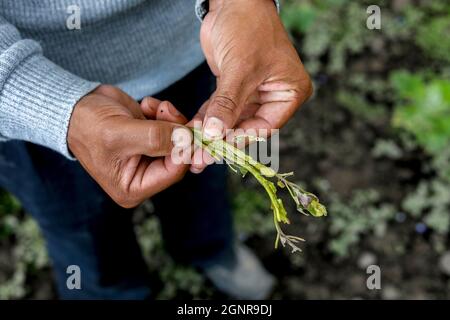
(304, 199)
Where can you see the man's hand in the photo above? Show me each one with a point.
(261, 80)
(128, 156)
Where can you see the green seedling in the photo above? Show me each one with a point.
(239, 162)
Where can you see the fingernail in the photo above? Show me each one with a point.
(172, 110)
(213, 128)
(181, 137)
(144, 102)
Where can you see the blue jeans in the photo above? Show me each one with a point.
(83, 226)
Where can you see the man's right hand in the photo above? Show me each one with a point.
(126, 154)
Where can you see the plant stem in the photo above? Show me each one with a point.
(220, 149)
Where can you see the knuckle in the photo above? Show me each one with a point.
(224, 103)
(180, 175)
(122, 190)
(126, 199)
(126, 203)
(107, 90)
(309, 88)
(304, 90)
(108, 137)
(121, 200)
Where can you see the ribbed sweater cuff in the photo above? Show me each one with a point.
(201, 8)
(37, 100)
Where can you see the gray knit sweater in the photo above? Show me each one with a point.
(47, 64)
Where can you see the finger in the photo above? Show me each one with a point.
(153, 138)
(166, 111)
(226, 104)
(278, 105)
(200, 160)
(248, 112)
(155, 176)
(149, 107)
(271, 115)
(275, 86)
(123, 98)
(277, 96)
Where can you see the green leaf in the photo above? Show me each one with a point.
(243, 171)
(299, 17)
(316, 209)
(266, 171)
(282, 214)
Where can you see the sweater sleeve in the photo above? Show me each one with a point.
(201, 8)
(36, 96)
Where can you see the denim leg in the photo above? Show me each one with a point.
(195, 213)
(195, 218)
(80, 223)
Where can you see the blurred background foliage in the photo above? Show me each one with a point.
(373, 143)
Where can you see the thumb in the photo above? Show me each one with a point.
(225, 106)
(153, 138)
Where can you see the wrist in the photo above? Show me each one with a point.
(217, 4)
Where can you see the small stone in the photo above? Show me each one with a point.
(378, 45)
(399, 5)
(366, 259)
(421, 228)
(400, 217)
(444, 263)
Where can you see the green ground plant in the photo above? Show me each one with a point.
(423, 109)
(250, 209)
(433, 38)
(363, 215)
(28, 256)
